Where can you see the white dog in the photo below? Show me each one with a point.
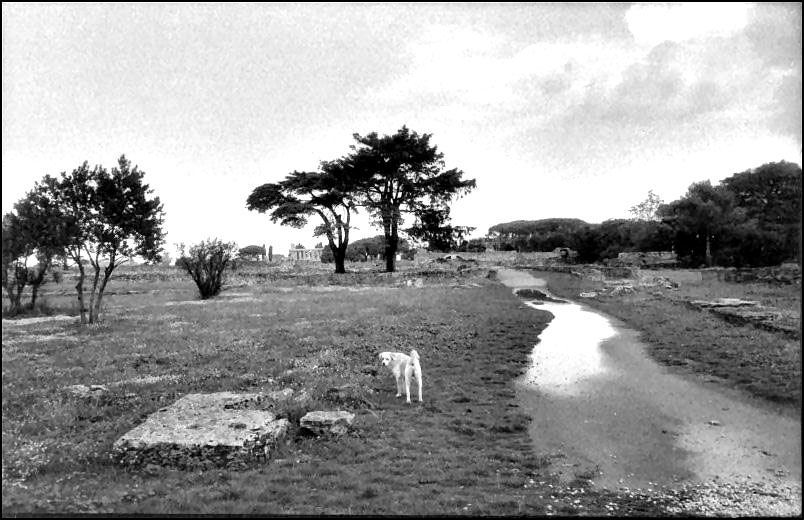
(403, 367)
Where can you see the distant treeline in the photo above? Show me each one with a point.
(367, 249)
(752, 218)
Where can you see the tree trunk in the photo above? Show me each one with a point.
(36, 282)
(10, 294)
(107, 273)
(14, 296)
(16, 287)
(340, 263)
(390, 253)
(80, 288)
(16, 302)
(93, 294)
(391, 241)
(708, 251)
(34, 293)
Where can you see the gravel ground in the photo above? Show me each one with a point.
(744, 498)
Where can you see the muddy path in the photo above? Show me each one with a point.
(625, 421)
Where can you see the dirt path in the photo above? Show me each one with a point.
(619, 417)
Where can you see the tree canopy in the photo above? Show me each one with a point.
(648, 208)
(433, 225)
(111, 216)
(327, 194)
(750, 218)
(527, 227)
(37, 227)
(400, 173)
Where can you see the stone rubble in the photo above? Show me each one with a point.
(84, 391)
(322, 422)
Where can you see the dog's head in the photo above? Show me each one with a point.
(385, 358)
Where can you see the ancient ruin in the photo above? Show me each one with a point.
(301, 254)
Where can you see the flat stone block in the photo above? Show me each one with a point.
(203, 430)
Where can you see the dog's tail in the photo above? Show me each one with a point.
(414, 355)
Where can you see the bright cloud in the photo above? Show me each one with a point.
(651, 24)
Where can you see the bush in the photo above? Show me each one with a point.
(206, 264)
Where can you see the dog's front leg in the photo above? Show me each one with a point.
(407, 387)
(399, 385)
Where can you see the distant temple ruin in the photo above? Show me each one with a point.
(301, 254)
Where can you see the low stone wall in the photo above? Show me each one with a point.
(648, 258)
(494, 257)
(591, 271)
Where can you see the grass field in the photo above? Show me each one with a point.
(763, 363)
(466, 450)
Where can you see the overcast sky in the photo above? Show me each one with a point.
(562, 110)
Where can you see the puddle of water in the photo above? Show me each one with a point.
(597, 397)
(569, 348)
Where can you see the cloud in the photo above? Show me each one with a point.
(775, 34)
(786, 119)
(651, 24)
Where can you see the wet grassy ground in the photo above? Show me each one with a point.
(465, 450)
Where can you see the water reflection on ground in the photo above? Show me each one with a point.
(569, 348)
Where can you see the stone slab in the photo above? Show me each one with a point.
(724, 302)
(216, 429)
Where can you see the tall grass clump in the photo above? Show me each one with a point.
(206, 263)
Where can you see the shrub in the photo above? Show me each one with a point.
(206, 264)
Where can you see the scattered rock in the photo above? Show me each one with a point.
(538, 295)
(85, 391)
(147, 380)
(322, 422)
(280, 395)
(619, 290)
(714, 423)
(452, 258)
(302, 397)
(590, 294)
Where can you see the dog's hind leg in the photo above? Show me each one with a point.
(407, 386)
(418, 371)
